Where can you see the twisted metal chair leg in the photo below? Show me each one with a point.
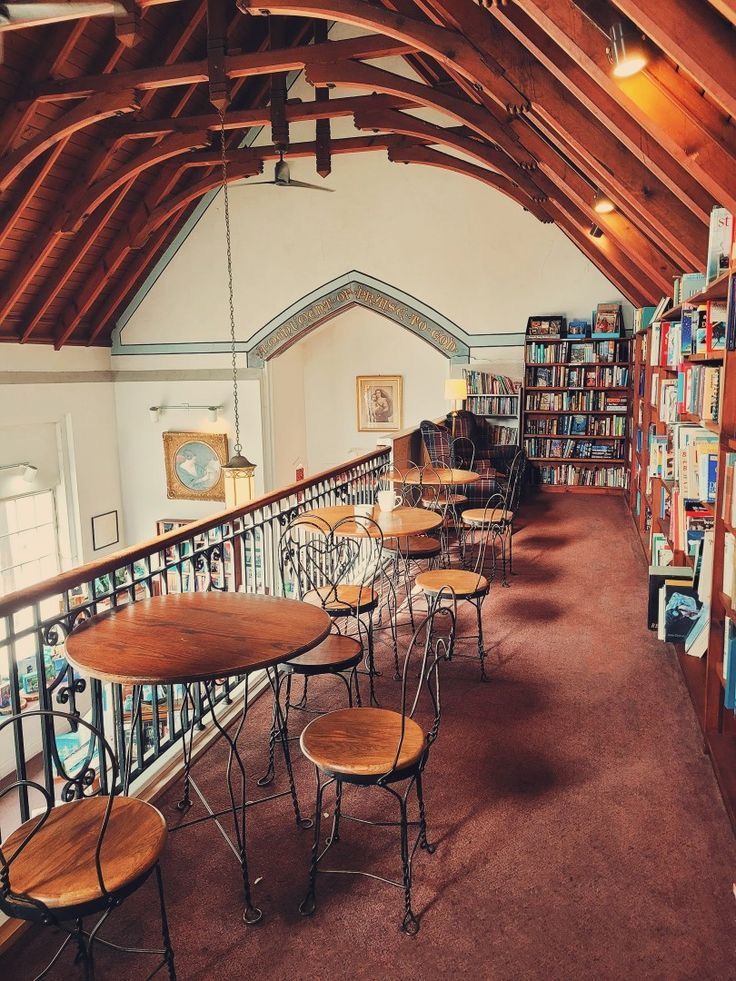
(423, 840)
(410, 923)
(168, 949)
(309, 904)
(335, 832)
(481, 647)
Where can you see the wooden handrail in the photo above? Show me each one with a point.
(24, 598)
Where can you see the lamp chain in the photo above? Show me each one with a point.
(226, 206)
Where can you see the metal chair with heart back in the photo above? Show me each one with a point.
(383, 748)
(84, 857)
(499, 512)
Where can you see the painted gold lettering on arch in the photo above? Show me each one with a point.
(341, 298)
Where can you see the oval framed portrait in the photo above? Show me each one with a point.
(194, 463)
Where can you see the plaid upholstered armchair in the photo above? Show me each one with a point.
(485, 460)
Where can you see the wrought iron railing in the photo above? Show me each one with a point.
(233, 550)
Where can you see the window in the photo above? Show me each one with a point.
(29, 542)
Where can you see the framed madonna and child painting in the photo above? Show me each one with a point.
(379, 399)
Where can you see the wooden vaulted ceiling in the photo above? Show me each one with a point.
(109, 134)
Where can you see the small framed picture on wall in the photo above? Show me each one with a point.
(379, 399)
(105, 530)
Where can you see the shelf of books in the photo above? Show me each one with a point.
(498, 399)
(683, 491)
(577, 402)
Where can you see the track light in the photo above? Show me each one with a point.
(602, 204)
(595, 231)
(626, 52)
(154, 411)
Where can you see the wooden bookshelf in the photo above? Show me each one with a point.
(487, 397)
(553, 471)
(703, 677)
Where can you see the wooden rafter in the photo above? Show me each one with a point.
(695, 37)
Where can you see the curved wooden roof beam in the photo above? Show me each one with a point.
(449, 48)
(87, 113)
(243, 65)
(695, 37)
(393, 121)
(371, 79)
(84, 202)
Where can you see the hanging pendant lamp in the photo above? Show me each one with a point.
(238, 472)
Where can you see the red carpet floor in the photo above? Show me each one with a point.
(579, 828)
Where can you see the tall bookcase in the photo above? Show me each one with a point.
(704, 677)
(577, 394)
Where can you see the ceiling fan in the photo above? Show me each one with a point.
(283, 178)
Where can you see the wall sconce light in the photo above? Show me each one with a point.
(602, 204)
(626, 52)
(29, 472)
(595, 231)
(154, 411)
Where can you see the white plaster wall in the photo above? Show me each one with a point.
(361, 342)
(288, 417)
(83, 413)
(457, 245)
(140, 443)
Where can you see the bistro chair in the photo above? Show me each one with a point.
(82, 858)
(471, 585)
(339, 569)
(499, 513)
(304, 558)
(370, 747)
(409, 551)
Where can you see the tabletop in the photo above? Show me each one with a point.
(430, 477)
(184, 637)
(399, 523)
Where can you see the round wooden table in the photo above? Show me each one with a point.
(399, 523)
(442, 476)
(196, 640)
(186, 637)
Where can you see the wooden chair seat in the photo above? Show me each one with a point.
(463, 583)
(361, 742)
(449, 499)
(417, 547)
(335, 653)
(343, 599)
(57, 866)
(479, 516)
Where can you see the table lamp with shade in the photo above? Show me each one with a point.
(456, 390)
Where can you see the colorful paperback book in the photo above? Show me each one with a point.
(715, 326)
(729, 665)
(658, 575)
(681, 610)
(720, 242)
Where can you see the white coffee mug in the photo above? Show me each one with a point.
(363, 510)
(387, 500)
